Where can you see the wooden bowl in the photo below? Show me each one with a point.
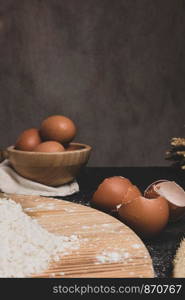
(53, 169)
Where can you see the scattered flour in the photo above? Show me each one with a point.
(69, 210)
(45, 206)
(62, 273)
(111, 257)
(136, 246)
(27, 248)
(85, 227)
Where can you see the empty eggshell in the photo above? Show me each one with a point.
(175, 196)
(147, 217)
(150, 192)
(173, 193)
(111, 192)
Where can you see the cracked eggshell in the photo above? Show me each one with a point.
(111, 192)
(132, 193)
(147, 217)
(173, 193)
(150, 192)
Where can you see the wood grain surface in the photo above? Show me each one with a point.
(98, 233)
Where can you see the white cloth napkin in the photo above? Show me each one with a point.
(13, 183)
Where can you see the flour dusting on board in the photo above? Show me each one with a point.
(136, 246)
(27, 248)
(112, 257)
(42, 206)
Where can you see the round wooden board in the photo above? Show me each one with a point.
(98, 233)
(179, 261)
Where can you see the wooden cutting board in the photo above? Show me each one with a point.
(99, 234)
(179, 261)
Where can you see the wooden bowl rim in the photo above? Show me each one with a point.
(86, 148)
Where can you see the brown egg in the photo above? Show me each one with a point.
(111, 192)
(147, 217)
(173, 193)
(50, 146)
(28, 140)
(58, 128)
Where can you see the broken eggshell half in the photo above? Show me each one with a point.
(173, 193)
(147, 217)
(132, 193)
(111, 192)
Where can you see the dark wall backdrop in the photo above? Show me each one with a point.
(117, 68)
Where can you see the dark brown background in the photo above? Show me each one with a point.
(116, 67)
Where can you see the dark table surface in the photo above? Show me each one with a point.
(162, 249)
